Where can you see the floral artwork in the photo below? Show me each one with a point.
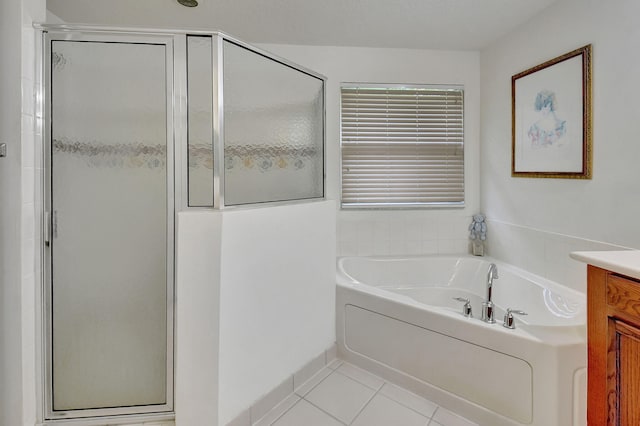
(548, 129)
(551, 118)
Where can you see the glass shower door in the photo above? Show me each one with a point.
(111, 228)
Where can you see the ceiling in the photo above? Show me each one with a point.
(421, 24)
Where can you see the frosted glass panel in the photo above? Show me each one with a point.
(200, 86)
(109, 248)
(273, 130)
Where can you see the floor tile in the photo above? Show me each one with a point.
(408, 399)
(447, 418)
(360, 375)
(307, 386)
(382, 411)
(305, 414)
(340, 396)
(278, 411)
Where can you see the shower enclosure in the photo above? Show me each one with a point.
(139, 125)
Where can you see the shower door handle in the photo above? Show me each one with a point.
(47, 229)
(50, 227)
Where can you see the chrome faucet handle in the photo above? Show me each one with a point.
(508, 318)
(466, 309)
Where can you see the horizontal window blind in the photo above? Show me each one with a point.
(402, 147)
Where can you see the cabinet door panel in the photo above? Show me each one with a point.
(625, 407)
(623, 295)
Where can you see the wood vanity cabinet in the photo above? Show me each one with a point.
(613, 328)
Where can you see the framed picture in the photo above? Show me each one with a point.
(551, 118)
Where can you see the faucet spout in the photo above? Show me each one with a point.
(487, 305)
(492, 274)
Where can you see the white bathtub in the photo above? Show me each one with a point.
(397, 317)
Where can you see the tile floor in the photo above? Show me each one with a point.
(343, 394)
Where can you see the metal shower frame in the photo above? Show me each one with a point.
(175, 41)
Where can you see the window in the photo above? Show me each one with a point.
(402, 146)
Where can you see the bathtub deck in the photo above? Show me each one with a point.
(343, 394)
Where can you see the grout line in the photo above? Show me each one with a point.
(340, 363)
(358, 381)
(434, 414)
(293, 390)
(285, 411)
(328, 414)
(361, 409)
(406, 406)
(266, 396)
(315, 386)
(366, 404)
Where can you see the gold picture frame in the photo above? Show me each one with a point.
(551, 118)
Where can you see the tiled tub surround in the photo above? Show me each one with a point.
(543, 253)
(406, 232)
(396, 317)
(382, 233)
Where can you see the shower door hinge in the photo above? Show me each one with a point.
(3, 150)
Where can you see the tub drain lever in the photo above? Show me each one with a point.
(508, 318)
(466, 309)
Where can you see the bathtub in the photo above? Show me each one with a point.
(398, 318)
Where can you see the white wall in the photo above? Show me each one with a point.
(407, 231)
(277, 297)
(197, 310)
(255, 303)
(536, 222)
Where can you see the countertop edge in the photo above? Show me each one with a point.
(625, 262)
